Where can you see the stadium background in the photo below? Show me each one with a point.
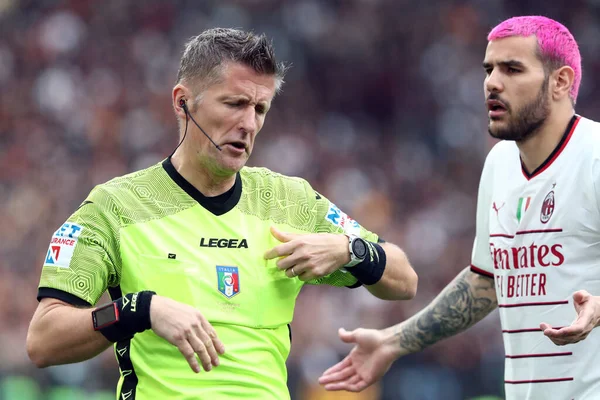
(382, 112)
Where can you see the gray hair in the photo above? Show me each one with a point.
(204, 56)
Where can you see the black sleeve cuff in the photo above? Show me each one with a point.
(356, 285)
(61, 295)
(380, 240)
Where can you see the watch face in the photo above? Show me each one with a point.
(359, 248)
(104, 316)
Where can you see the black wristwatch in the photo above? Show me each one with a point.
(105, 316)
(358, 250)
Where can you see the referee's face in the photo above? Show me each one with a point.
(516, 88)
(232, 112)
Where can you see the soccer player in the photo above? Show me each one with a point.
(203, 257)
(537, 241)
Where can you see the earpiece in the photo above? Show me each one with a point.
(183, 105)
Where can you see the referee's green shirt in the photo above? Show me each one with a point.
(152, 230)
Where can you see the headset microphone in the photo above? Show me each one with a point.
(187, 113)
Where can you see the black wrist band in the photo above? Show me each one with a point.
(131, 315)
(370, 270)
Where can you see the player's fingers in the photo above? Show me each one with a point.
(584, 319)
(561, 342)
(336, 386)
(567, 331)
(570, 332)
(338, 367)
(339, 376)
(552, 332)
(580, 296)
(358, 387)
(558, 332)
(356, 384)
(349, 336)
(557, 337)
(208, 345)
(558, 341)
(190, 355)
(200, 349)
(544, 326)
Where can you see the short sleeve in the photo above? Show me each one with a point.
(331, 219)
(481, 259)
(83, 257)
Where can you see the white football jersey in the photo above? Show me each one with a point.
(538, 236)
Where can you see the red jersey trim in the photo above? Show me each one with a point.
(518, 356)
(527, 330)
(481, 271)
(540, 381)
(544, 303)
(554, 155)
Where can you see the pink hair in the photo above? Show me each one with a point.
(554, 39)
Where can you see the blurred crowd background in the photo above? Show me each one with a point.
(382, 111)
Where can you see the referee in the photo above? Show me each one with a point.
(203, 257)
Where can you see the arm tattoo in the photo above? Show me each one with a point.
(464, 302)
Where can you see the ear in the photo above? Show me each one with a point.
(562, 79)
(180, 92)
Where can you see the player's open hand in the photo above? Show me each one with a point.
(368, 361)
(185, 327)
(309, 256)
(588, 311)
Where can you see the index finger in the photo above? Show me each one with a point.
(342, 375)
(284, 249)
(353, 384)
(337, 367)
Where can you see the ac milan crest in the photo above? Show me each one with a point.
(547, 207)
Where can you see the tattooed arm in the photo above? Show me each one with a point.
(464, 302)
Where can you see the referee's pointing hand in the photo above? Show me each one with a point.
(309, 256)
(185, 327)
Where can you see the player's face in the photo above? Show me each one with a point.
(232, 112)
(516, 88)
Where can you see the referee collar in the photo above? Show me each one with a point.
(217, 205)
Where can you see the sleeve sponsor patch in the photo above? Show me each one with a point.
(339, 218)
(62, 245)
